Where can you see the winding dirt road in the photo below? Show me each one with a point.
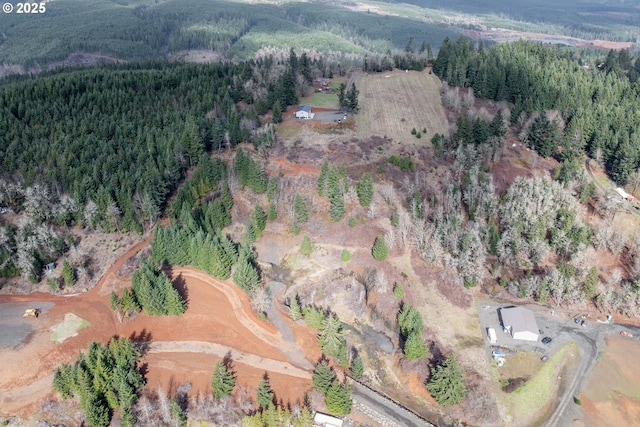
(219, 320)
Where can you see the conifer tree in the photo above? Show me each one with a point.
(68, 274)
(245, 274)
(300, 209)
(351, 101)
(322, 178)
(259, 220)
(276, 112)
(222, 381)
(294, 308)
(331, 337)
(305, 247)
(338, 398)
(357, 367)
(177, 414)
(379, 250)
(273, 213)
(191, 141)
(364, 189)
(497, 127)
(414, 347)
(446, 384)
(272, 189)
(409, 321)
(323, 376)
(264, 393)
(336, 207)
(250, 234)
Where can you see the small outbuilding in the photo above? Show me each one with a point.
(519, 322)
(326, 420)
(303, 112)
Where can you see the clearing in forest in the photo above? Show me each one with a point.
(393, 103)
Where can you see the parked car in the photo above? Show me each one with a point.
(546, 340)
(583, 323)
(544, 358)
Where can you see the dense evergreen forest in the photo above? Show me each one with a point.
(105, 147)
(147, 29)
(560, 106)
(126, 134)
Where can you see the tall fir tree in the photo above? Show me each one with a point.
(300, 209)
(446, 384)
(323, 376)
(259, 220)
(264, 394)
(322, 178)
(245, 273)
(338, 398)
(364, 189)
(223, 380)
(336, 208)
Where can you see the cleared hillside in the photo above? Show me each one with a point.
(394, 103)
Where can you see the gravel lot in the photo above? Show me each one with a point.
(13, 327)
(325, 117)
(562, 328)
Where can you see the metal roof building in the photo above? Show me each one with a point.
(519, 322)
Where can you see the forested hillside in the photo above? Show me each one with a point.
(607, 19)
(560, 107)
(144, 29)
(105, 147)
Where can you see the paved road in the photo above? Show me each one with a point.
(384, 410)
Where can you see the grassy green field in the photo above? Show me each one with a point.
(322, 100)
(392, 104)
(527, 403)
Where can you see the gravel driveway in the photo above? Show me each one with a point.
(562, 328)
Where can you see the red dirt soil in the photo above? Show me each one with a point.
(219, 312)
(611, 395)
(288, 168)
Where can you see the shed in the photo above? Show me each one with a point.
(624, 194)
(303, 112)
(519, 322)
(326, 420)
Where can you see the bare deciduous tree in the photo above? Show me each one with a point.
(468, 99)
(390, 239)
(260, 299)
(37, 201)
(90, 212)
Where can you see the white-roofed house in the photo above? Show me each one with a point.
(303, 112)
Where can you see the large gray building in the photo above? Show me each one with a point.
(519, 322)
